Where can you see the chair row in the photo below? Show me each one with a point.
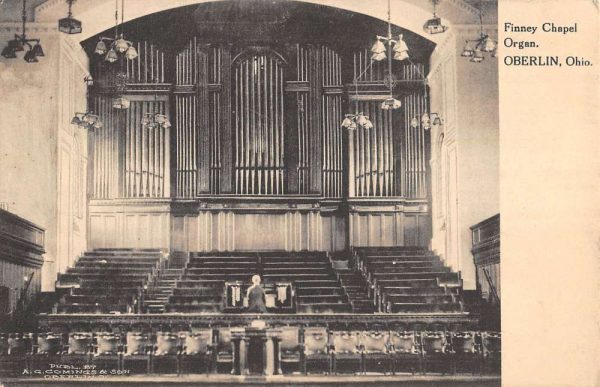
(311, 349)
(406, 351)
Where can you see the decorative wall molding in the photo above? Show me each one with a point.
(32, 27)
(475, 29)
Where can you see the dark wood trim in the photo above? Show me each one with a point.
(244, 319)
(22, 241)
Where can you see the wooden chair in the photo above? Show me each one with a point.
(167, 349)
(223, 353)
(465, 351)
(316, 349)
(290, 349)
(375, 345)
(491, 352)
(196, 352)
(80, 349)
(346, 349)
(16, 353)
(405, 351)
(436, 351)
(48, 349)
(108, 350)
(138, 349)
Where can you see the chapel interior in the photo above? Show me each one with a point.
(156, 155)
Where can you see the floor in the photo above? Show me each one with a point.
(293, 380)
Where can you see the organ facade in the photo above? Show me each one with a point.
(256, 138)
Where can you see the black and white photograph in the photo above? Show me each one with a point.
(267, 192)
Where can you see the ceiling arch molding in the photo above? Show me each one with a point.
(98, 15)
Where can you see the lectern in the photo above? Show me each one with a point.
(256, 350)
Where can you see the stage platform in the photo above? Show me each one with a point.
(243, 319)
(288, 380)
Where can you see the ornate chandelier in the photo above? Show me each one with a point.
(118, 44)
(379, 52)
(20, 41)
(474, 48)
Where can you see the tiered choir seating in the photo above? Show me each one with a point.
(107, 280)
(318, 289)
(410, 280)
(201, 288)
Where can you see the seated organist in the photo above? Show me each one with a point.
(257, 298)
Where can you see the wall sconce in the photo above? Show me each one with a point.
(427, 121)
(89, 81)
(87, 120)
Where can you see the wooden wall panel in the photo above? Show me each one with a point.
(133, 227)
(228, 230)
(388, 228)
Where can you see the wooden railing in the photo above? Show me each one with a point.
(21, 249)
(486, 256)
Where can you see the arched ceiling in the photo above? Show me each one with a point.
(256, 22)
(98, 15)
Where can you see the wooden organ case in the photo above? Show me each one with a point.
(256, 158)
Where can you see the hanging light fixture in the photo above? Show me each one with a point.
(474, 48)
(69, 25)
(120, 86)
(399, 48)
(379, 50)
(20, 41)
(87, 120)
(121, 103)
(434, 25)
(155, 120)
(118, 44)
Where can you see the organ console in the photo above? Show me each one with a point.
(279, 297)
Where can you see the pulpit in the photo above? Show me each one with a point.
(256, 350)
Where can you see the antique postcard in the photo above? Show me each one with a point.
(299, 192)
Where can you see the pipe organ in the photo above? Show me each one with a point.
(259, 124)
(256, 139)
